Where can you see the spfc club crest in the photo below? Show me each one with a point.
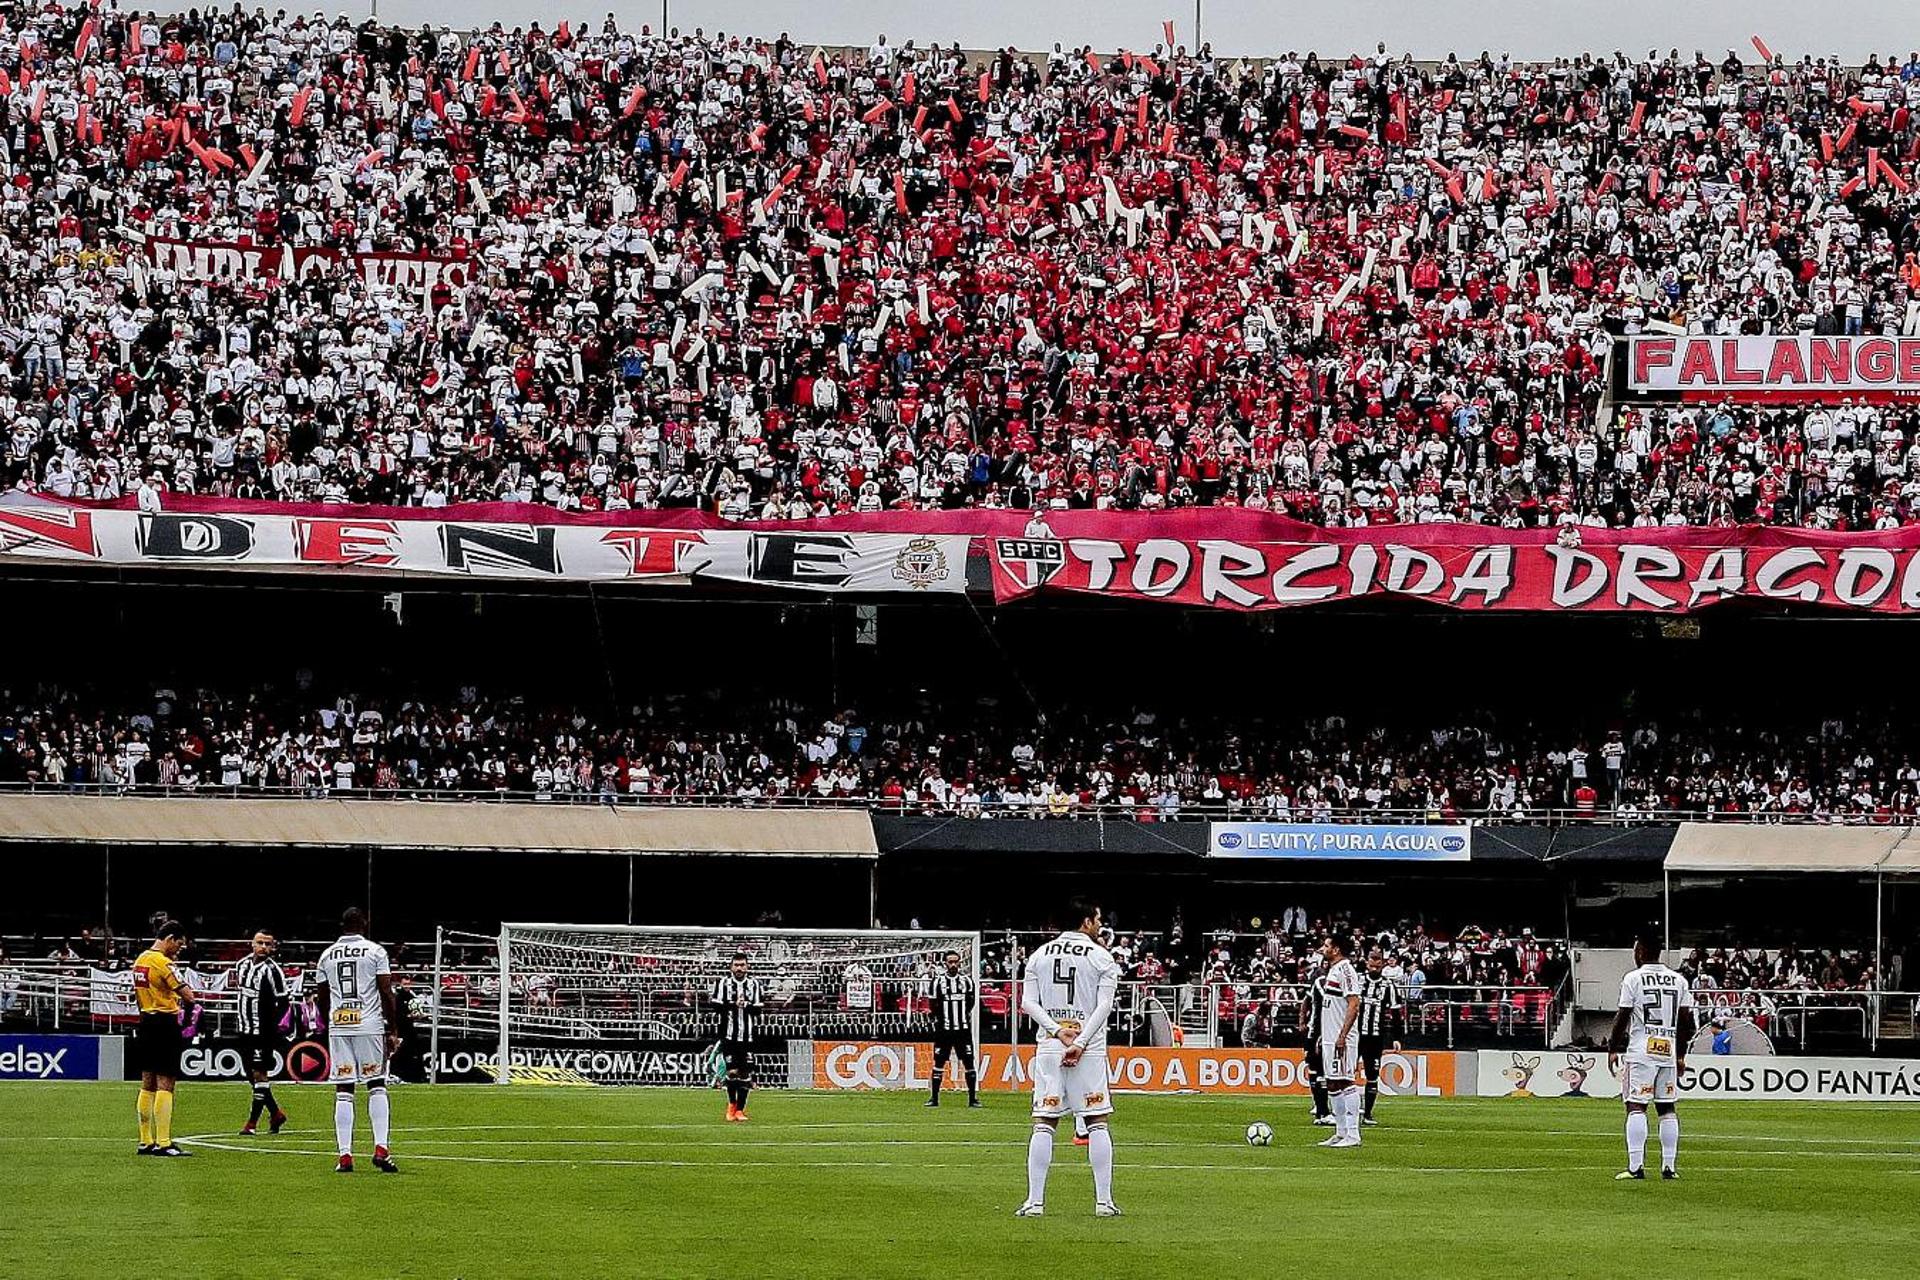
(1031, 562)
(920, 564)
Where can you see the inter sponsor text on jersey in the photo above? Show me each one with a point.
(1655, 995)
(350, 970)
(1070, 977)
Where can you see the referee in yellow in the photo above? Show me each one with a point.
(162, 996)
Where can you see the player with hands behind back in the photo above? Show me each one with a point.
(1068, 991)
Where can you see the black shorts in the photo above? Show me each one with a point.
(1371, 1047)
(961, 1042)
(157, 1044)
(263, 1052)
(1313, 1064)
(739, 1058)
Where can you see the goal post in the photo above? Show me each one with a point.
(634, 998)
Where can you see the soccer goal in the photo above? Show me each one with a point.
(628, 1004)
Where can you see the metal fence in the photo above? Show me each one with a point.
(1029, 808)
(58, 995)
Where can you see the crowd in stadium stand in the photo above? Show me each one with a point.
(1257, 980)
(948, 760)
(1789, 969)
(771, 280)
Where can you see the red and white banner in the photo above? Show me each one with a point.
(1225, 562)
(1774, 366)
(384, 543)
(232, 262)
(1217, 557)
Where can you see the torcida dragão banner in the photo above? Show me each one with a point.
(1463, 567)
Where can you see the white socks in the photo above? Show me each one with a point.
(1039, 1160)
(378, 1112)
(1100, 1152)
(1345, 1105)
(343, 1121)
(1637, 1138)
(1669, 1138)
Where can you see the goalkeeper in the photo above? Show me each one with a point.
(739, 999)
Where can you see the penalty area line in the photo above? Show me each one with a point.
(210, 1142)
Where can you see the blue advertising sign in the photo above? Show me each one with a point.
(49, 1057)
(1424, 843)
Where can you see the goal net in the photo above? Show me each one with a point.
(617, 1004)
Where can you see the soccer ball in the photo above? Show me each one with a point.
(1259, 1134)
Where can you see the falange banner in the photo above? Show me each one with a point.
(1437, 842)
(1773, 366)
(384, 543)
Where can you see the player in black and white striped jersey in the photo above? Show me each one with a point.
(1383, 1011)
(739, 999)
(1310, 1036)
(261, 985)
(953, 994)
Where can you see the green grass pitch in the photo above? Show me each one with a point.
(535, 1181)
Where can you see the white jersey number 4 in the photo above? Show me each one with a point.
(1071, 977)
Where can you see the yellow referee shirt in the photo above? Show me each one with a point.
(156, 986)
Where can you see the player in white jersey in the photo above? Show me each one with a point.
(1340, 1042)
(1652, 1028)
(1068, 991)
(353, 988)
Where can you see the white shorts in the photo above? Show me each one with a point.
(356, 1056)
(1340, 1062)
(1081, 1089)
(1645, 1082)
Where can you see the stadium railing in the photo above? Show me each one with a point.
(59, 995)
(1795, 1015)
(1033, 809)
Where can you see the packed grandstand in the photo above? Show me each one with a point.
(606, 269)
(1365, 575)
(1154, 764)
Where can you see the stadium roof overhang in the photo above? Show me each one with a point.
(1709, 848)
(418, 825)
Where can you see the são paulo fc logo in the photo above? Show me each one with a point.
(920, 564)
(1031, 562)
(308, 1062)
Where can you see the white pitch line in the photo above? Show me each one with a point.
(981, 1144)
(1265, 1167)
(978, 1144)
(209, 1142)
(1611, 1134)
(1022, 1125)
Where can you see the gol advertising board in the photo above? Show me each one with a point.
(1412, 843)
(1524, 1074)
(859, 1064)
